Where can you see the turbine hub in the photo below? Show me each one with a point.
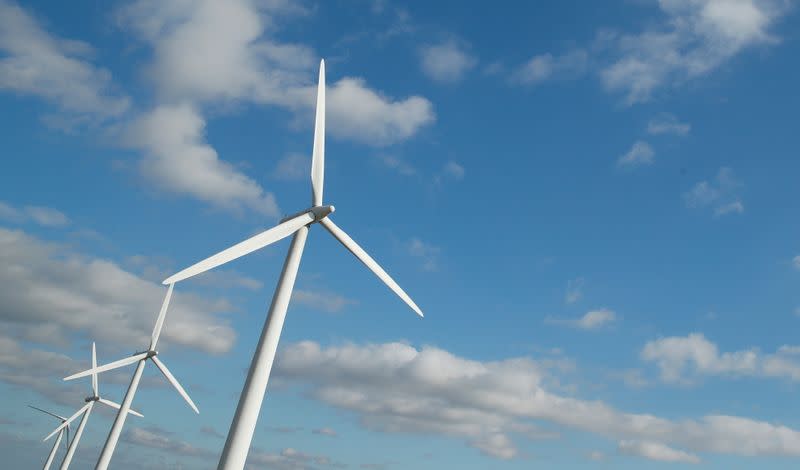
(88, 399)
(320, 212)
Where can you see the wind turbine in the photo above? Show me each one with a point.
(63, 430)
(86, 411)
(243, 425)
(141, 358)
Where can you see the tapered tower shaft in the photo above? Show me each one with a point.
(75, 439)
(116, 428)
(244, 421)
(53, 451)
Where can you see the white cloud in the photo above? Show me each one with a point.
(321, 300)
(696, 38)
(325, 432)
(641, 153)
(361, 114)
(178, 160)
(682, 358)
(211, 51)
(796, 262)
(394, 387)
(45, 216)
(720, 193)
(158, 439)
(592, 320)
(293, 166)
(428, 253)
(655, 451)
(290, 459)
(50, 292)
(397, 164)
(454, 170)
(56, 69)
(574, 290)
(545, 67)
(665, 123)
(446, 62)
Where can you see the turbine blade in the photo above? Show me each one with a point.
(250, 245)
(94, 366)
(118, 406)
(47, 412)
(318, 157)
(66, 444)
(69, 420)
(160, 320)
(362, 255)
(171, 378)
(109, 366)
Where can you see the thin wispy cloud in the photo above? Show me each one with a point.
(656, 451)
(719, 194)
(640, 154)
(574, 291)
(592, 320)
(546, 67)
(666, 123)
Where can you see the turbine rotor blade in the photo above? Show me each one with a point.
(69, 420)
(318, 156)
(118, 406)
(250, 245)
(66, 431)
(109, 366)
(365, 258)
(94, 366)
(171, 379)
(47, 412)
(160, 320)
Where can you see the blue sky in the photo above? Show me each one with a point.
(595, 204)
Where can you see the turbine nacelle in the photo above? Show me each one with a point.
(317, 212)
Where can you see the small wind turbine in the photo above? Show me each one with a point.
(63, 430)
(244, 421)
(85, 410)
(141, 358)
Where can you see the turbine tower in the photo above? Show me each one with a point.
(63, 430)
(85, 410)
(141, 358)
(243, 425)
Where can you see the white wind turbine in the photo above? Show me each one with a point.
(61, 433)
(85, 411)
(243, 425)
(141, 358)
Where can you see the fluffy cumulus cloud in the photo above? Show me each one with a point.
(545, 67)
(655, 451)
(695, 38)
(640, 154)
(592, 320)
(211, 51)
(177, 159)
(681, 359)
(446, 62)
(720, 194)
(59, 70)
(50, 292)
(395, 387)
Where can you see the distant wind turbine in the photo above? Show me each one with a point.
(85, 410)
(63, 430)
(241, 431)
(141, 358)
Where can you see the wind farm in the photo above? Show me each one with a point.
(388, 235)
